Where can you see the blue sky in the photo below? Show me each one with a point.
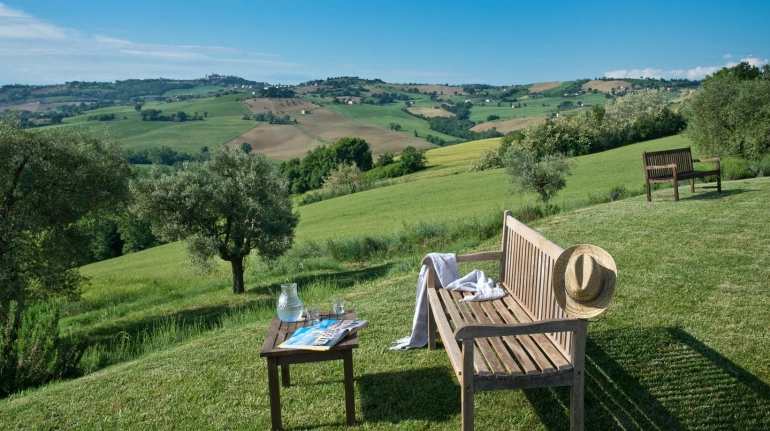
(455, 42)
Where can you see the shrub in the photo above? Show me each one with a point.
(31, 351)
(345, 177)
(615, 194)
(735, 169)
(531, 213)
(489, 159)
(764, 166)
(390, 171)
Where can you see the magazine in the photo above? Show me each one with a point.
(323, 335)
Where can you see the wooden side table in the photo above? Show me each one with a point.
(277, 333)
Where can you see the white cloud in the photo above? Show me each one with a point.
(15, 24)
(727, 56)
(36, 52)
(695, 73)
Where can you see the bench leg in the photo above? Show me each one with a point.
(578, 380)
(719, 184)
(431, 282)
(676, 191)
(692, 185)
(467, 386)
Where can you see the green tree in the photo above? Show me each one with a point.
(412, 159)
(246, 147)
(543, 175)
(345, 176)
(226, 207)
(730, 115)
(49, 180)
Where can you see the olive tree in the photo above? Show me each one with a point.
(730, 115)
(49, 180)
(228, 206)
(544, 175)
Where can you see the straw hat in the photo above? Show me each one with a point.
(584, 280)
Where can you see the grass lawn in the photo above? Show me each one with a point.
(683, 345)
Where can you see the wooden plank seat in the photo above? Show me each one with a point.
(672, 166)
(523, 340)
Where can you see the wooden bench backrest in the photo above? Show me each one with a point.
(681, 157)
(526, 272)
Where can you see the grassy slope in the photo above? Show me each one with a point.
(223, 123)
(472, 194)
(683, 345)
(382, 116)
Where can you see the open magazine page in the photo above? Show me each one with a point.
(323, 335)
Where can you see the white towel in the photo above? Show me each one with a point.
(445, 265)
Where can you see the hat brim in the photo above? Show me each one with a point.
(597, 305)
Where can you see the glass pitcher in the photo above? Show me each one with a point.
(289, 305)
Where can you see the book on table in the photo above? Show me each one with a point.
(323, 335)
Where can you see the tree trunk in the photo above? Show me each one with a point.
(237, 264)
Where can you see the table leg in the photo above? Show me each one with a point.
(285, 376)
(275, 393)
(350, 396)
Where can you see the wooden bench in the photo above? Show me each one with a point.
(672, 166)
(524, 340)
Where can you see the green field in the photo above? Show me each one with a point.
(202, 90)
(682, 346)
(382, 116)
(222, 123)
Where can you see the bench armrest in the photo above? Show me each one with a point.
(712, 160)
(671, 166)
(485, 330)
(475, 257)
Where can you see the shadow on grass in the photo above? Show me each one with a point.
(393, 397)
(710, 195)
(659, 379)
(343, 279)
(205, 318)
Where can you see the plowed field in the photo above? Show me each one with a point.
(543, 86)
(606, 86)
(284, 141)
(508, 125)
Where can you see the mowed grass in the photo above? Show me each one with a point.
(448, 191)
(682, 346)
(223, 123)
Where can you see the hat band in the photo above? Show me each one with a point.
(584, 301)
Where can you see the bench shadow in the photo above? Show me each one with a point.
(701, 195)
(659, 379)
(393, 397)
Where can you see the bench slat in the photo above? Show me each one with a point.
(518, 362)
(514, 313)
(449, 305)
(554, 355)
(481, 345)
(498, 348)
(446, 331)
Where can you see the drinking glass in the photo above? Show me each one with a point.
(313, 314)
(338, 304)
